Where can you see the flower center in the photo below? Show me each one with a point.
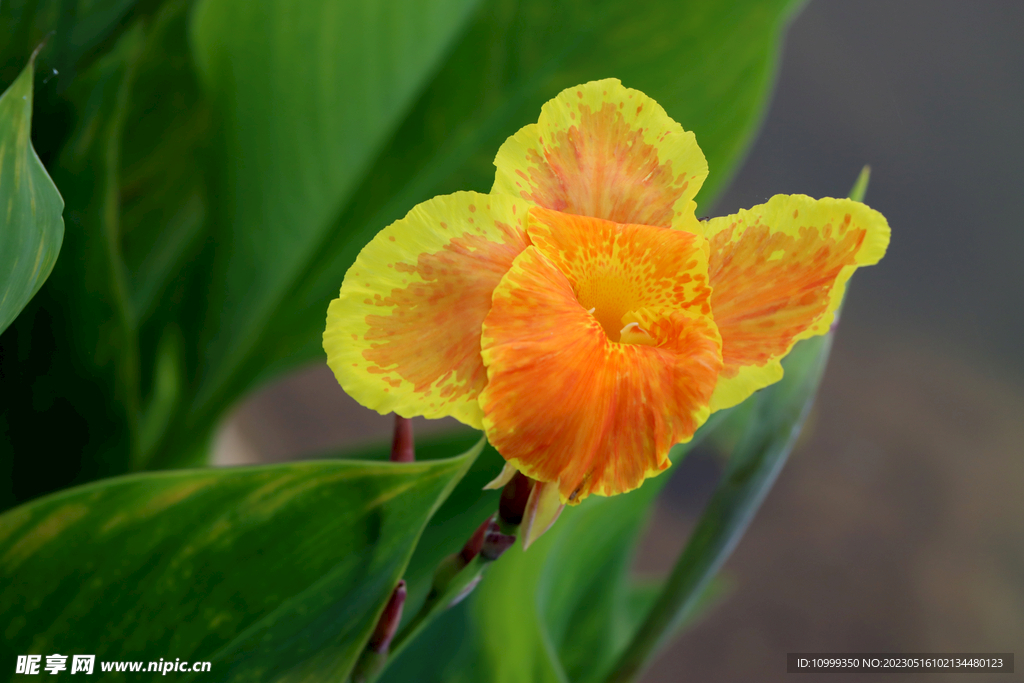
(609, 297)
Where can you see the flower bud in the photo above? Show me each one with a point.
(514, 498)
(534, 505)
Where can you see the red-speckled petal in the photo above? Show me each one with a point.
(404, 334)
(605, 151)
(778, 272)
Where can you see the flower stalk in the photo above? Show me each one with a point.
(403, 448)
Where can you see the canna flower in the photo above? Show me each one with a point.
(580, 314)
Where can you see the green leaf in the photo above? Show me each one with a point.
(462, 512)
(771, 427)
(860, 186)
(272, 573)
(308, 92)
(133, 175)
(32, 229)
(453, 523)
(164, 213)
(585, 589)
(644, 594)
(308, 180)
(164, 178)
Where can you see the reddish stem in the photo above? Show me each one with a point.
(387, 625)
(402, 448)
(472, 547)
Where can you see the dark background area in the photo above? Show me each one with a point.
(898, 525)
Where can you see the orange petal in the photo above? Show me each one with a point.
(778, 272)
(566, 404)
(606, 151)
(620, 269)
(404, 334)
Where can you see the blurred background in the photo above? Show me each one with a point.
(897, 526)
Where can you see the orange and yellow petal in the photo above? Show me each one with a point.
(616, 270)
(606, 151)
(565, 404)
(404, 334)
(778, 272)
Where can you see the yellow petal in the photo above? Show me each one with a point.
(778, 272)
(605, 151)
(404, 334)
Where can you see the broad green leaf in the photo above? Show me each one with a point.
(31, 227)
(164, 212)
(308, 92)
(294, 231)
(453, 523)
(771, 426)
(272, 573)
(644, 594)
(566, 608)
(164, 178)
(508, 618)
(463, 511)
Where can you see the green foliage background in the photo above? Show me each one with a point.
(221, 163)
